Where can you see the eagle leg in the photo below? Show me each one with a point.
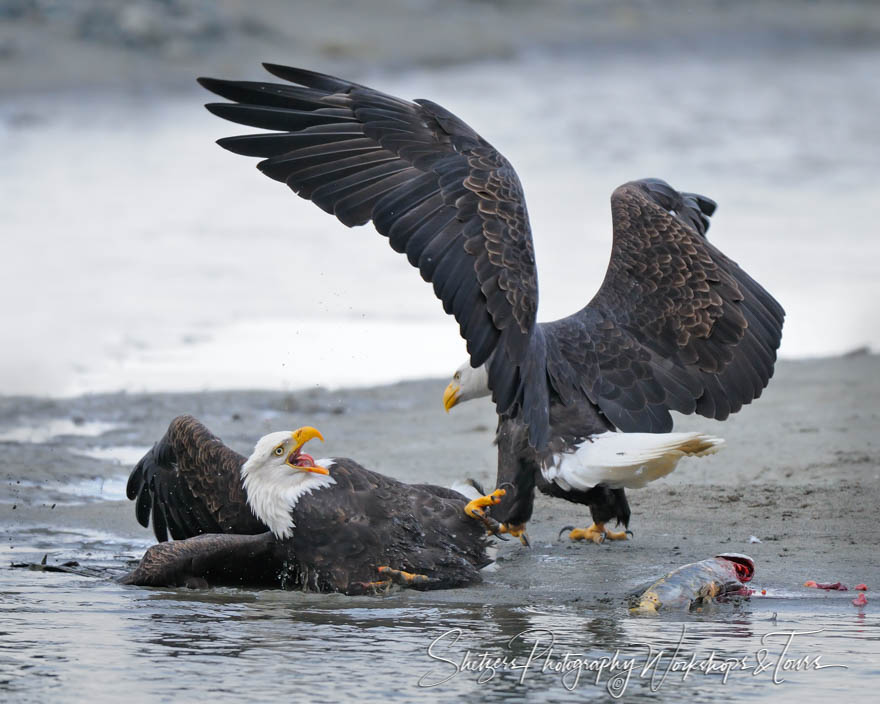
(382, 586)
(517, 531)
(474, 508)
(619, 535)
(392, 577)
(493, 527)
(595, 532)
(405, 579)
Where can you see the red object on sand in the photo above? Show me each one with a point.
(836, 586)
(860, 600)
(861, 587)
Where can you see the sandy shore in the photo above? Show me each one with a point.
(140, 47)
(801, 472)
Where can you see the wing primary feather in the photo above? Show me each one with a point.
(311, 79)
(675, 325)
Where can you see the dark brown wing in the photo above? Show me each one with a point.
(676, 325)
(190, 483)
(343, 532)
(440, 193)
(210, 560)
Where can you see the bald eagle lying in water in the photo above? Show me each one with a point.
(675, 325)
(282, 518)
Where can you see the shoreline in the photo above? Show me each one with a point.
(346, 388)
(800, 472)
(147, 47)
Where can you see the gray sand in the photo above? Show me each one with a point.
(145, 46)
(800, 472)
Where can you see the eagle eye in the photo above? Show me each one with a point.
(279, 450)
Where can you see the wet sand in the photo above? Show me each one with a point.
(801, 472)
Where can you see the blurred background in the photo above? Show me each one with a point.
(138, 255)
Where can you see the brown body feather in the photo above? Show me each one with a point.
(343, 532)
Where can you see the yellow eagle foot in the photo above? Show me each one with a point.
(597, 532)
(392, 577)
(619, 535)
(404, 579)
(517, 531)
(379, 587)
(474, 508)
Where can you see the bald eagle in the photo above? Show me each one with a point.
(675, 325)
(280, 518)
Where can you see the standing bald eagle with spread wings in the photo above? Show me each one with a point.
(675, 326)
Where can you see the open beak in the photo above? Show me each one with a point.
(300, 460)
(450, 396)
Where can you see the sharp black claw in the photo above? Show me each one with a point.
(562, 530)
(493, 527)
(629, 532)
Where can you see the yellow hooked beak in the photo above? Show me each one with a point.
(302, 436)
(450, 396)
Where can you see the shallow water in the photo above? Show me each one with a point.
(67, 493)
(39, 431)
(143, 256)
(70, 638)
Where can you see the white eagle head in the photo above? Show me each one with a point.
(467, 383)
(282, 451)
(278, 473)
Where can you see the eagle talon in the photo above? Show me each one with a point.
(619, 535)
(493, 527)
(405, 579)
(379, 587)
(595, 532)
(562, 530)
(517, 531)
(474, 508)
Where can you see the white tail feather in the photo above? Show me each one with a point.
(627, 460)
(466, 489)
(492, 552)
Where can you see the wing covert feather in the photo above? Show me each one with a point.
(676, 325)
(440, 193)
(190, 483)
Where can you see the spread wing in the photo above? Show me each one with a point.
(676, 325)
(189, 483)
(211, 559)
(438, 191)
